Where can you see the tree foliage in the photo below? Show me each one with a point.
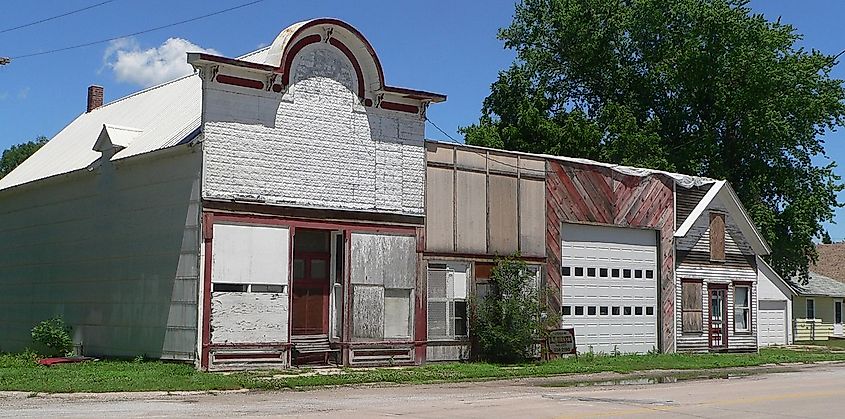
(16, 154)
(703, 87)
(512, 316)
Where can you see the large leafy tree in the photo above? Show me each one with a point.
(16, 154)
(703, 87)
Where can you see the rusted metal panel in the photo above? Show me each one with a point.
(532, 216)
(502, 203)
(471, 212)
(367, 312)
(439, 153)
(440, 210)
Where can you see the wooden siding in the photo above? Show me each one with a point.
(739, 265)
(484, 203)
(591, 194)
(686, 199)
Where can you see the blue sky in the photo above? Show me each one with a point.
(442, 46)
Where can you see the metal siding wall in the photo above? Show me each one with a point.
(440, 209)
(504, 222)
(532, 217)
(115, 252)
(472, 212)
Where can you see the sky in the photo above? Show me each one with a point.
(441, 46)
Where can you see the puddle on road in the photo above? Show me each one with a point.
(659, 379)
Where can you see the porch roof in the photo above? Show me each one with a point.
(818, 285)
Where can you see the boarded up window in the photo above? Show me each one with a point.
(691, 306)
(368, 311)
(717, 236)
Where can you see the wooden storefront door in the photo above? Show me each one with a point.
(718, 317)
(310, 294)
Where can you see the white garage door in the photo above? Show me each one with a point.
(609, 280)
(772, 322)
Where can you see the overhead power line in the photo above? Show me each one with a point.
(55, 17)
(158, 28)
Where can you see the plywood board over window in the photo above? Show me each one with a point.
(717, 236)
(383, 277)
(691, 306)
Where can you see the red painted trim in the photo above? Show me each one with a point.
(240, 81)
(323, 21)
(291, 53)
(208, 228)
(348, 53)
(401, 107)
(273, 220)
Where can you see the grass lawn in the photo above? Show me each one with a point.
(23, 374)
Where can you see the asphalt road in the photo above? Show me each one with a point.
(813, 392)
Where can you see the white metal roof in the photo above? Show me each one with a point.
(164, 115)
(151, 119)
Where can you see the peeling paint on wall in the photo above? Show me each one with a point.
(241, 317)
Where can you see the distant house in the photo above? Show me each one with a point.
(817, 308)
(284, 208)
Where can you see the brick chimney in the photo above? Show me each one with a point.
(95, 97)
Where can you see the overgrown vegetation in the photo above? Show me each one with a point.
(21, 373)
(509, 320)
(52, 337)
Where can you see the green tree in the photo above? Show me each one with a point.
(507, 322)
(704, 87)
(16, 154)
(826, 238)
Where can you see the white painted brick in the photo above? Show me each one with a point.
(321, 150)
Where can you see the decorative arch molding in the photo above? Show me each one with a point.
(338, 34)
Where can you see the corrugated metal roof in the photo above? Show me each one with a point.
(818, 285)
(164, 115)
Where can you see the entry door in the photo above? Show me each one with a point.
(310, 294)
(718, 317)
(837, 317)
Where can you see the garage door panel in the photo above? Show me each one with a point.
(771, 322)
(615, 269)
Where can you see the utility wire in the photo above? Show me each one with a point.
(181, 22)
(55, 17)
(485, 155)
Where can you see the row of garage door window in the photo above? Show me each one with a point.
(613, 273)
(607, 310)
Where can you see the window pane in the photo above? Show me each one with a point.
(638, 311)
(603, 310)
(591, 271)
(397, 313)
(741, 319)
(615, 273)
(218, 287)
(741, 297)
(579, 271)
(616, 310)
(638, 273)
(591, 310)
(437, 319)
(627, 311)
(267, 288)
(579, 310)
(318, 269)
(649, 311)
(298, 269)
(460, 318)
(626, 273)
(649, 274)
(567, 271)
(436, 283)
(603, 272)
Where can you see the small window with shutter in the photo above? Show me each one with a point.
(691, 306)
(717, 236)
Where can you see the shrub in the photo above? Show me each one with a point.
(53, 335)
(509, 320)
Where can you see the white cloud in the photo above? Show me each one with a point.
(148, 67)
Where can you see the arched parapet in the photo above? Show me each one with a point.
(347, 40)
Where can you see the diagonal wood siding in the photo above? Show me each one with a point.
(589, 194)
